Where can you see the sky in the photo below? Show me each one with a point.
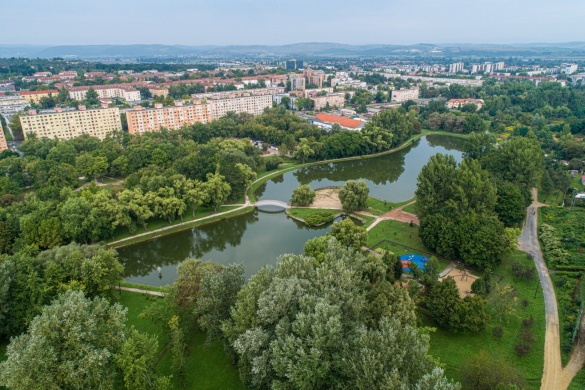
(268, 22)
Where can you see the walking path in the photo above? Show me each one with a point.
(182, 223)
(397, 215)
(554, 376)
(137, 290)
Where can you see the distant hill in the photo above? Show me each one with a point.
(307, 49)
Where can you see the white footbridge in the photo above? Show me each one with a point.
(275, 203)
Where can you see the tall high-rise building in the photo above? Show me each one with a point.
(456, 67)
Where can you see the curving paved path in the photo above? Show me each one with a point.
(554, 377)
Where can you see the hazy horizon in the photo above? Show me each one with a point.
(261, 22)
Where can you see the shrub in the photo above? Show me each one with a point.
(523, 271)
(527, 336)
(522, 349)
(498, 331)
(318, 218)
(528, 322)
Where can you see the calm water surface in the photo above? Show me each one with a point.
(390, 177)
(258, 238)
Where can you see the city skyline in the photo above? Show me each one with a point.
(225, 22)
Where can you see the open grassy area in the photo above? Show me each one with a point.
(208, 367)
(410, 208)
(378, 206)
(195, 223)
(455, 349)
(399, 232)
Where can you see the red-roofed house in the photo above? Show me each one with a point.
(326, 121)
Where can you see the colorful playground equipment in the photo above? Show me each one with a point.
(419, 260)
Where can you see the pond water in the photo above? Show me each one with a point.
(390, 177)
(258, 238)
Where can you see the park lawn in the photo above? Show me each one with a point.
(154, 224)
(410, 208)
(369, 220)
(454, 349)
(208, 366)
(378, 206)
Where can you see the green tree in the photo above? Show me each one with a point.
(297, 326)
(217, 294)
(137, 362)
(510, 206)
(303, 195)
(354, 195)
(16, 127)
(70, 345)
(503, 300)
(482, 372)
(92, 97)
(303, 151)
(217, 189)
(349, 234)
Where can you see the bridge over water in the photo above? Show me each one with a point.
(274, 203)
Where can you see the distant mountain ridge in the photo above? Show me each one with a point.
(310, 49)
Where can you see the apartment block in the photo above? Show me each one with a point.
(236, 94)
(296, 82)
(35, 96)
(569, 68)
(456, 67)
(254, 104)
(333, 99)
(70, 123)
(129, 93)
(141, 120)
(403, 95)
(12, 104)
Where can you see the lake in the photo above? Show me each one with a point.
(258, 238)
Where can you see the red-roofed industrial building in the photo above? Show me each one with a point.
(326, 121)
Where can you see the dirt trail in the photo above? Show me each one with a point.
(398, 215)
(554, 376)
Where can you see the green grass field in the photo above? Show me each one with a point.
(377, 206)
(208, 367)
(399, 232)
(455, 349)
(410, 208)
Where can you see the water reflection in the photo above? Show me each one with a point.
(253, 239)
(258, 238)
(391, 177)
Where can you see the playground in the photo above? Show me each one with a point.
(409, 258)
(463, 279)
